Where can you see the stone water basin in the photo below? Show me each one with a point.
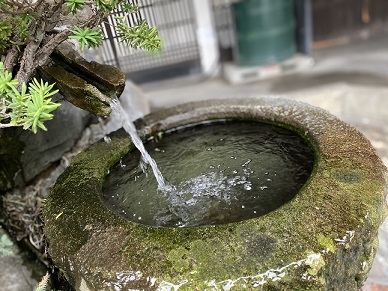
(322, 238)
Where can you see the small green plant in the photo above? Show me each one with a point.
(140, 36)
(74, 5)
(14, 31)
(130, 8)
(5, 245)
(91, 37)
(30, 107)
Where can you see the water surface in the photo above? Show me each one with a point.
(219, 172)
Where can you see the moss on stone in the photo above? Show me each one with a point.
(327, 243)
(323, 239)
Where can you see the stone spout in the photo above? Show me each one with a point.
(87, 85)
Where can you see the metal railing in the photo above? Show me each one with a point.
(176, 23)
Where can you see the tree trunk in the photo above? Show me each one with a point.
(44, 38)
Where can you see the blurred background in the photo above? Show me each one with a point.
(218, 37)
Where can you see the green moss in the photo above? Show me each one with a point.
(96, 106)
(179, 259)
(346, 176)
(327, 243)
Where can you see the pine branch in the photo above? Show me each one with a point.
(44, 52)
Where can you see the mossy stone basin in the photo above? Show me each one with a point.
(323, 239)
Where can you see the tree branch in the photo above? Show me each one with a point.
(55, 14)
(31, 58)
(11, 3)
(27, 63)
(11, 58)
(43, 53)
(5, 125)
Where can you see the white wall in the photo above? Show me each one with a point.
(207, 37)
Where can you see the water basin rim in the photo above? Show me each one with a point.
(149, 134)
(251, 110)
(308, 121)
(312, 123)
(347, 161)
(265, 109)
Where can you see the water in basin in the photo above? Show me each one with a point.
(219, 172)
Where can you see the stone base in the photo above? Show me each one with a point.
(235, 74)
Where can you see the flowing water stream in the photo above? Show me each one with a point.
(130, 128)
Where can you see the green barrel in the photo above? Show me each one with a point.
(265, 31)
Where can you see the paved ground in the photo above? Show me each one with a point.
(350, 81)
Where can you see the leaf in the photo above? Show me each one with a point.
(130, 8)
(6, 82)
(14, 29)
(30, 107)
(39, 106)
(74, 5)
(107, 5)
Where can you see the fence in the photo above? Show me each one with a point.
(176, 23)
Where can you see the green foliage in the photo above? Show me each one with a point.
(138, 36)
(30, 107)
(38, 106)
(5, 33)
(6, 81)
(107, 5)
(14, 26)
(5, 245)
(14, 30)
(74, 5)
(91, 37)
(16, 103)
(130, 8)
